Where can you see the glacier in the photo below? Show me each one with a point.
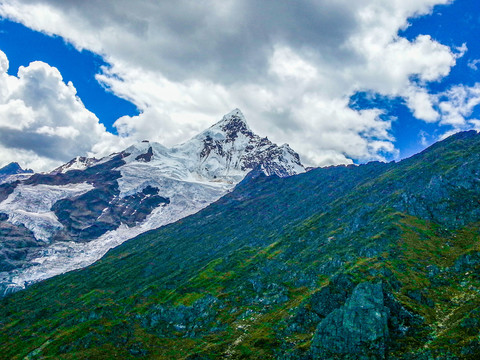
(190, 176)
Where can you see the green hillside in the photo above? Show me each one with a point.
(358, 262)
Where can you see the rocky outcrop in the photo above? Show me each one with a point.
(357, 330)
(91, 215)
(78, 163)
(433, 195)
(6, 189)
(190, 321)
(147, 157)
(16, 240)
(12, 172)
(230, 145)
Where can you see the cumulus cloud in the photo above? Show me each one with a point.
(457, 104)
(422, 104)
(452, 109)
(290, 66)
(473, 64)
(42, 121)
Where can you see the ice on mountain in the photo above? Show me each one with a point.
(31, 205)
(191, 176)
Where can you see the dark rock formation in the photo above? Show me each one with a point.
(17, 243)
(13, 169)
(190, 321)
(259, 152)
(6, 189)
(147, 156)
(90, 215)
(357, 330)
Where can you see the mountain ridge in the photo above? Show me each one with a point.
(279, 267)
(78, 211)
(12, 172)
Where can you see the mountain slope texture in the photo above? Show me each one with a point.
(378, 261)
(65, 220)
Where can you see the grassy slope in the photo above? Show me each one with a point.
(258, 255)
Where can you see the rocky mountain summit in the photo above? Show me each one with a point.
(377, 261)
(229, 149)
(67, 219)
(78, 163)
(12, 172)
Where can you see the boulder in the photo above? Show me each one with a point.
(357, 330)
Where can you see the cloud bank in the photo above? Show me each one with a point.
(290, 66)
(42, 121)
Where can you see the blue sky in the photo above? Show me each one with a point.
(452, 25)
(340, 83)
(23, 45)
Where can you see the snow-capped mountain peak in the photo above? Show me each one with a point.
(229, 149)
(232, 124)
(223, 153)
(77, 163)
(232, 128)
(13, 172)
(105, 202)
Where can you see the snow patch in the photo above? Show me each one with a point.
(63, 256)
(30, 205)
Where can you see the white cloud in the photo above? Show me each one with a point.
(66, 132)
(15, 115)
(452, 108)
(4, 64)
(42, 121)
(457, 104)
(473, 64)
(422, 104)
(287, 65)
(290, 66)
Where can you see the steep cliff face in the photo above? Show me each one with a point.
(80, 210)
